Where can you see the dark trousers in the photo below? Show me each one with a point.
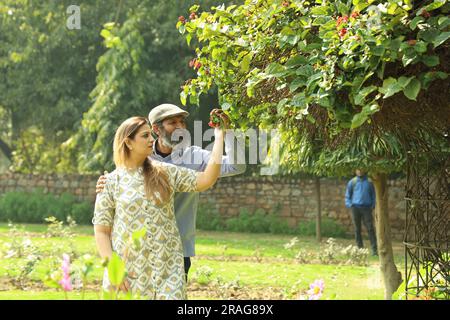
(187, 266)
(364, 214)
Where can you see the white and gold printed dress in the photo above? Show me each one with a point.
(156, 270)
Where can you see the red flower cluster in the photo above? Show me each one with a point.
(341, 20)
(425, 14)
(182, 19)
(285, 4)
(194, 63)
(193, 16)
(355, 14)
(342, 32)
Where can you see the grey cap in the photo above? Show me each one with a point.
(164, 111)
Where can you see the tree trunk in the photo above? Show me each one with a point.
(391, 276)
(6, 150)
(319, 212)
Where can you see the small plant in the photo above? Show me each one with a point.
(355, 255)
(203, 275)
(291, 243)
(329, 255)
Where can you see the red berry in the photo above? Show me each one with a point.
(285, 4)
(182, 19)
(197, 64)
(412, 42)
(425, 14)
(342, 32)
(355, 14)
(192, 62)
(193, 16)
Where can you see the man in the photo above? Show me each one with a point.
(360, 197)
(165, 119)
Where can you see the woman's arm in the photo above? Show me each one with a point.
(103, 240)
(207, 178)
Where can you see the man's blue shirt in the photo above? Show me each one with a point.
(360, 193)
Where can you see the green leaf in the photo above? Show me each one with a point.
(245, 63)
(296, 61)
(225, 106)
(414, 22)
(297, 83)
(116, 270)
(404, 81)
(420, 47)
(435, 5)
(390, 87)
(412, 89)
(317, 11)
(363, 93)
(183, 97)
(276, 70)
(367, 110)
(440, 39)
(409, 57)
(431, 61)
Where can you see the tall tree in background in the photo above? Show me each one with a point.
(46, 74)
(145, 65)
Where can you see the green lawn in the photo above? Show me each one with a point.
(257, 262)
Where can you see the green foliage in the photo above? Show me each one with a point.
(259, 221)
(322, 72)
(144, 63)
(328, 228)
(46, 74)
(332, 54)
(34, 207)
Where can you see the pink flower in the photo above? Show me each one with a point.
(65, 281)
(316, 289)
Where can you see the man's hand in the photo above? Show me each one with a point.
(101, 183)
(224, 119)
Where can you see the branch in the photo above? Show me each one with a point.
(6, 149)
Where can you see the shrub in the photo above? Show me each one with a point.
(329, 228)
(34, 207)
(208, 218)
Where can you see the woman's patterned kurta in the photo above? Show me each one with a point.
(156, 270)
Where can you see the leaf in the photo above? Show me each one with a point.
(321, 10)
(404, 81)
(431, 61)
(360, 118)
(363, 93)
(116, 270)
(390, 87)
(412, 89)
(295, 61)
(297, 83)
(414, 22)
(225, 106)
(435, 5)
(276, 70)
(440, 39)
(183, 97)
(245, 63)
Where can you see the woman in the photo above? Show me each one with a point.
(139, 194)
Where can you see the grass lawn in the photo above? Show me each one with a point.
(252, 262)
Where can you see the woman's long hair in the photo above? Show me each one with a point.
(156, 180)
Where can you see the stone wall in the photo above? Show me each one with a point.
(295, 197)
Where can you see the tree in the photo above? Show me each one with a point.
(144, 65)
(46, 74)
(347, 83)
